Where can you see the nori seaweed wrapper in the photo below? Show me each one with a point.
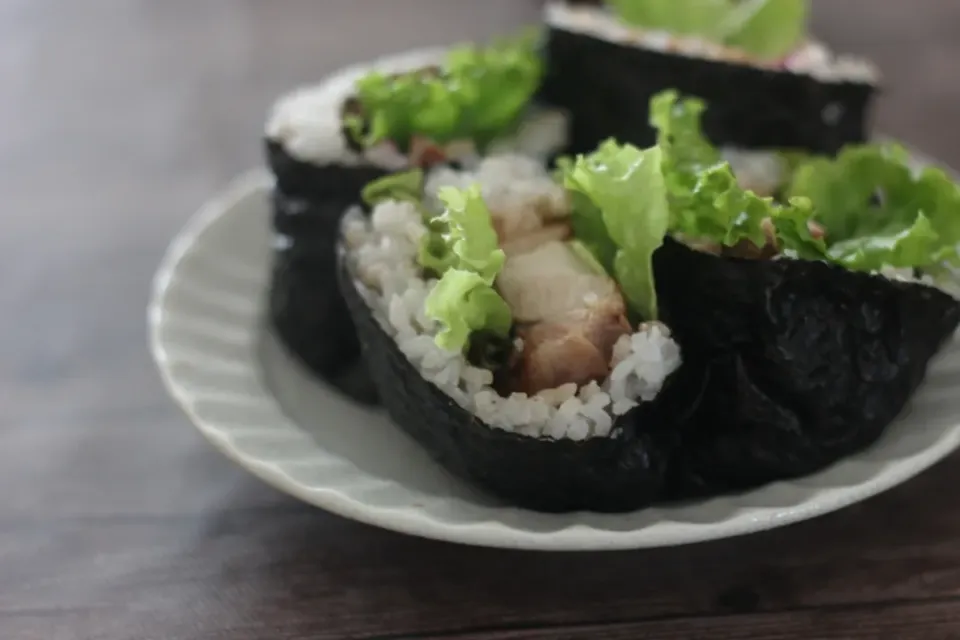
(807, 362)
(305, 306)
(789, 366)
(607, 88)
(319, 183)
(310, 318)
(620, 473)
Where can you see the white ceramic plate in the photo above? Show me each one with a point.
(256, 405)
(266, 413)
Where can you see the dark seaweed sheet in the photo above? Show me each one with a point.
(310, 318)
(306, 309)
(788, 367)
(607, 88)
(304, 179)
(807, 362)
(621, 473)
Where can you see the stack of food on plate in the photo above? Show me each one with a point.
(643, 254)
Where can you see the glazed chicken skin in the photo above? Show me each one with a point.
(568, 316)
(576, 348)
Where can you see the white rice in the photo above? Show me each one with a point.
(508, 182)
(307, 124)
(385, 248)
(813, 59)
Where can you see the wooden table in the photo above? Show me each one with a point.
(117, 521)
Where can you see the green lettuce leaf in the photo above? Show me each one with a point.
(842, 189)
(721, 211)
(464, 303)
(586, 221)
(588, 257)
(463, 249)
(435, 255)
(679, 131)
(406, 186)
(898, 247)
(706, 200)
(767, 29)
(686, 150)
(792, 160)
(683, 17)
(470, 233)
(462, 236)
(877, 212)
(629, 197)
(562, 165)
(477, 93)
(792, 225)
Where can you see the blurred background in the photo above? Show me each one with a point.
(118, 119)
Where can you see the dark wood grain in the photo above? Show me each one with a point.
(117, 521)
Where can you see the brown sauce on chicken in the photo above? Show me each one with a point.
(568, 316)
